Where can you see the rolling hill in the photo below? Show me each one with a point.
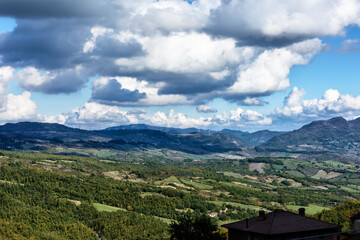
(35, 136)
(246, 138)
(161, 129)
(335, 136)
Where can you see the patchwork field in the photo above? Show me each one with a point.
(320, 174)
(241, 185)
(250, 207)
(197, 185)
(106, 208)
(311, 209)
(259, 167)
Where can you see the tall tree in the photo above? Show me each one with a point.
(195, 227)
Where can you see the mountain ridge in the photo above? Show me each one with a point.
(335, 135)
(35, 135)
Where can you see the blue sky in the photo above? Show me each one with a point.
(206, 64)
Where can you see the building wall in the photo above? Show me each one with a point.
(242, 235)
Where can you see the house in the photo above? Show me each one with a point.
(281, 225)
(224, 211)
(213, 214)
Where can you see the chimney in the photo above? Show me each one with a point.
(302, 212)
(262, 214)
(356, 221)
(357, 225)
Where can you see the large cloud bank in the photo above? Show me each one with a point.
(154, 53)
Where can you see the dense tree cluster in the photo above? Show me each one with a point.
(195, 227)
(35, 205)
(341, 215)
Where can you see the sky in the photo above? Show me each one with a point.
(211, 64)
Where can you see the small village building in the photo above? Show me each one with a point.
(224, 211)
(213, 214)
(281, 225)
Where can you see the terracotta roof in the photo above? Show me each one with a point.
(280, 222)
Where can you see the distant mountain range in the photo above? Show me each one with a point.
(175, 130)
(335, 136)
(161, 129)
(248, 139)
(243, 139)
(37, 136)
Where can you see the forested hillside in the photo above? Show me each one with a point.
(62, 196)
(335, 136)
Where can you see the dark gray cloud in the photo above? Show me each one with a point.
(110, 47)
(248, 101)
(186, 84)
(104, 67)
(136, 112)
(279, 23)
(112, 93)
(45, 44)
(205, 109)
(256, 39)
(56, 45)
(175, 83)
(189, 84)
(59, 43)
(55, 8)
(232, 22)
(59, 81)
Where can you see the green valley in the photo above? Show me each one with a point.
(106, 196)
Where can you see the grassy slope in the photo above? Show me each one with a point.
(311, 209)
(197, 185)
(106, 208)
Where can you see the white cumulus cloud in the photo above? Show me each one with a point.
(92, 115)
(332, 103)
(278, 21)
(268, 73)
(18, 108)
(184, 53)
(14, 107)
(242, 117)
